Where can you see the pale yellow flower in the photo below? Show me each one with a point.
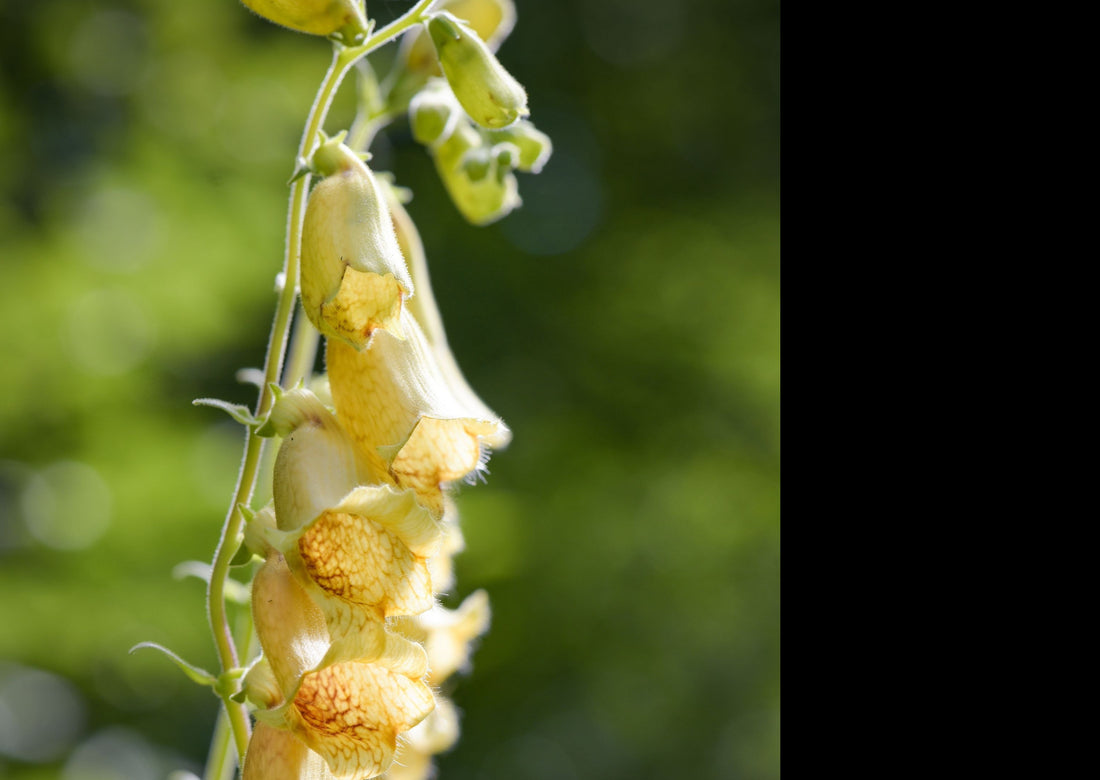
(402, 410)
(359, 551)
(447, 635)
(433, 735)
(317, 17)
(350, 714)
(354, 278)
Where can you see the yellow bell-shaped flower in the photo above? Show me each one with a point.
(347, 229)
(349, 714)
(399, 406)
(360, 551)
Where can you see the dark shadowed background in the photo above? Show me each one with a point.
(624, 322)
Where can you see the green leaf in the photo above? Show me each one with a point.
(235, 591)
(266, 429)
(196, 569)
(198, 675)
(251, 376)
(238, 412)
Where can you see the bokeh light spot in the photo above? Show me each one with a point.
(117, 229)
(41, 714)
(108, 333)
(630, 34)
(114, 754)
(561, 206)
(67, 505)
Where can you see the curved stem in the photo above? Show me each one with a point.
(231, 537)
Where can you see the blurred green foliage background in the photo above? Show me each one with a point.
(624, 322)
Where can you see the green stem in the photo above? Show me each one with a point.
(303, 351)
(218, 764)
(231, 537)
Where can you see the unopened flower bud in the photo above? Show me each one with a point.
(430, 111)
(492, 20)
(476, 163)
(488, 92)
(317, 17)
(533, 144)
(261, 687)
(464, 166)
(506, 156)
(257, 531)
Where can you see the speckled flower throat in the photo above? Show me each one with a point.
(335, 671)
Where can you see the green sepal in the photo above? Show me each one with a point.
(267, 429)
(244, 554)
(350, 35)
(227, 684)
(195, 673)
(238, 412)
(331, 156)
(301, 168)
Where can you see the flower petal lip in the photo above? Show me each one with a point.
(363, 561)
(349, 713)
(352, 713)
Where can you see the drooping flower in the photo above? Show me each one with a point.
(354, 278)
(396, 403)
(360, 551)
(447, 636)
(349, 714)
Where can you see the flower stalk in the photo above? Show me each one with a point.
(358, 539)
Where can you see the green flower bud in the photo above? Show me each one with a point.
(506, 156)
(430, 112)
(492, 20)
(476, 163)
(488, 92)
(534, 145)
(482, 191)
(316, 17)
